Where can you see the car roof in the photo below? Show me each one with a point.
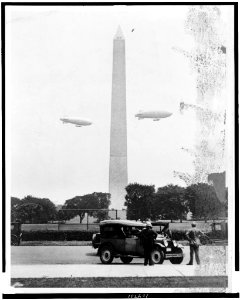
(122, 222)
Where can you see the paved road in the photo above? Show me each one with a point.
(112, 270)
(87, 255)
(66, 255)
(69, 266)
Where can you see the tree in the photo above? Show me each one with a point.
(33, 210)
(139, 201)
(169, 202)
(103, 200)
(79, 205)
(203, 201)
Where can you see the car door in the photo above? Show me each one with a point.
(130, 241)
(118, 239)
(130, 245)
(139, 247)
(112, 235)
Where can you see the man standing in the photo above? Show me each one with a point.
(147, 236)
(194, 243)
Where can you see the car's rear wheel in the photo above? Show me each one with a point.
(126, 260)
(157, 256)
(106, 254)
(177, 260)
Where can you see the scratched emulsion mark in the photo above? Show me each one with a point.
(214, 264)
(207, 61)
(208, 64)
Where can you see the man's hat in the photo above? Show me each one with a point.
(148, 224)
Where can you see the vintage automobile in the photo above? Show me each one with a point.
(120, 238)
(16, 233)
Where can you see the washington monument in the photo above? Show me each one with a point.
(118, 174)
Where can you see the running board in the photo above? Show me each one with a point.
(132, 256)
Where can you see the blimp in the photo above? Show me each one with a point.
(153, 114)
(76, 121)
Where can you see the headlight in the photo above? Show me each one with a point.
(175, 243)
(165, 243)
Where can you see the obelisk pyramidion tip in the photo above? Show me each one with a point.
(119, 34)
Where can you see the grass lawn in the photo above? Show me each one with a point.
(124, 282)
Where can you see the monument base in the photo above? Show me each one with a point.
(117, 214)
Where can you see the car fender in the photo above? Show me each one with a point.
(160, 245)
(103, 245)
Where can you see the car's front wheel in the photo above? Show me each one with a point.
(177, 260)
(157, 256)
(106, 254)
(126, 260)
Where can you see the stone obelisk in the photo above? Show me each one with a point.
(118, 175)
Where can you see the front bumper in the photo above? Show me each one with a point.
(173, 252)
(170, 255)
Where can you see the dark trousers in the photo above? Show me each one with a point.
(147, 256)
(194, 249)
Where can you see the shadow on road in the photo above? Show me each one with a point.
(91, 254)
(120, 263)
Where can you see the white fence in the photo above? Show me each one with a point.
(176, 225)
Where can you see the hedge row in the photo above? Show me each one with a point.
(57, 235)
(87, 235)
(216, 235)
(68, 235)
(181, 235)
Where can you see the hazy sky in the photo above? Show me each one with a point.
(59, 63)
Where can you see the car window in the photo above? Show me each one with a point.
(111, 232)
(158, 229)
(127, 230)
(107, 229)
(136, 231)
(132, 231)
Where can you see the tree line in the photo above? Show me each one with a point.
(173, 202)
(35, 210)
(143, 202)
